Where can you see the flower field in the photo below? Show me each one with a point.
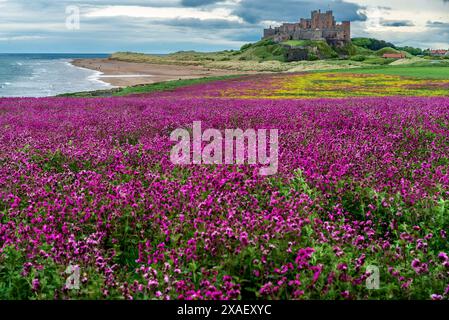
(320, 85)
(362, 181)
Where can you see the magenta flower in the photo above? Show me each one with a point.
(35, 284)
(443, 257)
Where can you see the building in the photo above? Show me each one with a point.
(394, 56)
(321, 26)
(439, 53)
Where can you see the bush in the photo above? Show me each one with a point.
(312, 57)
(372, 44)
(246, 46)
(358, 57)
(348, 49)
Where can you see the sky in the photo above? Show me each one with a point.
(162, 26)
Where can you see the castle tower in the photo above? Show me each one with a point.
(323, 20)
(346, 25)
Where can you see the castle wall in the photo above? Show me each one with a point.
(308, 35)
(321, 26)
(305, 23)
(268, 33)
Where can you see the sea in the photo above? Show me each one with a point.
(44, 75)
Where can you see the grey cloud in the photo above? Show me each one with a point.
(46, 19)
(203, 24)
(438, 24)
(396, 23)
(254, 11)
(198, 3)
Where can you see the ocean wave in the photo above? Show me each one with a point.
(47, 77)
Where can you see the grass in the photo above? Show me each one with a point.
(148, 88)
(426, 72)
(295, 43)
(388, 50)
(324, 50)
(264, 50)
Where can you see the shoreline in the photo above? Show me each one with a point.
(95, 77)
(125, 74)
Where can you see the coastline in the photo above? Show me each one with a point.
(47, 75)
(124, 74)
(95, 77)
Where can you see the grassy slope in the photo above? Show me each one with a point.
(264, 50)
(261, 56)
(266, 55)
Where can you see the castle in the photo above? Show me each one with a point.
(321, 26)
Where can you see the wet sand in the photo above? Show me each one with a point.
(124, 74)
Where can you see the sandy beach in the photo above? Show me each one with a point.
(123, 74)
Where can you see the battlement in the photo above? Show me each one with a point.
(321, 26)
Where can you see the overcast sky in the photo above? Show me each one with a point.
(161, 26)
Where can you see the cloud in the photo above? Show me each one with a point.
(254, 11)
(438, 24)
(163, 13)
(21, 38)
(171, 25)
(198, 3)
(396, 23)
(204, 24)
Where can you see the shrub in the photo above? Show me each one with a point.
(358, 58)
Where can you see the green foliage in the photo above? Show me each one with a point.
(385, 50)
(376, 45)
(312, 57)
(12, 284)
(317, 49)
(372, 44)
(348, 49)
(264, 50)
(362, 51)
(246, 46)
(411, 50)
(358, 57)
